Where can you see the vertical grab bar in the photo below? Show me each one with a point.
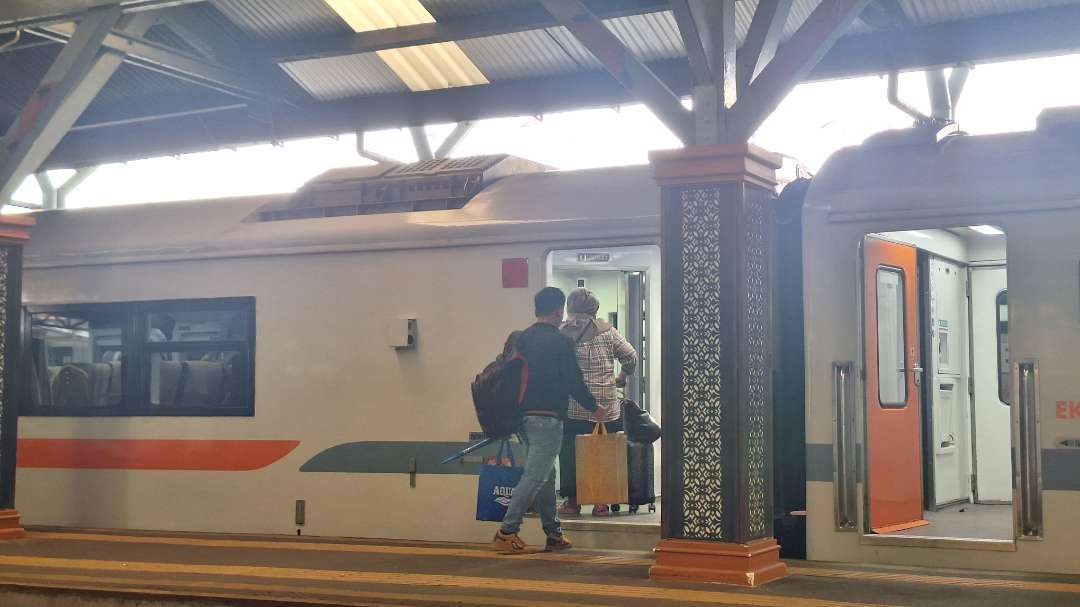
(844, 451)
(1028, 469)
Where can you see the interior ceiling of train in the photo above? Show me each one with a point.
(164, 77)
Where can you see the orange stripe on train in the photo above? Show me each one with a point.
(150, 454)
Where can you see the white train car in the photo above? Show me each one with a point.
(281, 364)
(300, 362)
(943, 416)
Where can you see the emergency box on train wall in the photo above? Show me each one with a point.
(401, 333)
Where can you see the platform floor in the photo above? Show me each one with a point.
(968, 521)
(65, 567)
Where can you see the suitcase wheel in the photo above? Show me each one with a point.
(616, 507)
(652, 507)
(633, 509)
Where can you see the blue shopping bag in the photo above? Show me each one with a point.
(497, 482)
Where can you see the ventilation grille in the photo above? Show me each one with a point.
(430, 185)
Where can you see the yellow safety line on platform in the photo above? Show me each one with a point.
(939, 580)
(429, 580)
(479, 552)
(483, 552)
(218, 589)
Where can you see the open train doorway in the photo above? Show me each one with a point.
(938, 419)
(626, 281)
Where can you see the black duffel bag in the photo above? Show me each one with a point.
(638, 425)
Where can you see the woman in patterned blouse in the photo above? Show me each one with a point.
(598, 346)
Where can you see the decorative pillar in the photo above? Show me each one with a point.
(14, 232)
(716, 487)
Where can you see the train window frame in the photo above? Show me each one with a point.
(138, 348)
(1004, 390)
(902, 290)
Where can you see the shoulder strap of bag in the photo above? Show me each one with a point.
(583, 330)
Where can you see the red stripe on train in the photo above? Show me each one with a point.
(149, 454)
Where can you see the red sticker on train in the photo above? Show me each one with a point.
(1067, 409)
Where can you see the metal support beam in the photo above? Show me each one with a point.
(530, 97)
(1036, 33)
(170, 61)
(421, 142)
(217, 44)
(715, 25)
(65, 189)
(692, 40)
(24, 13)
(454, 138)
(627, 69)
(762, 39)
(70, 84)
(48, 190)
(448, 30)
(792, 63)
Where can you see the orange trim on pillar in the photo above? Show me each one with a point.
(142, 454)
(709, 164)
(10, 527)
(748, 565)
(15, 229)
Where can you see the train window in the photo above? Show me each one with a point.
(892, 374)
(1004, 367)
(192, 357)
(77, 360)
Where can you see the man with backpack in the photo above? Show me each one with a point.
(553, 377)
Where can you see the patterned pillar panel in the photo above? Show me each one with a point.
(755, 364)
(9, 347)
(718, 364)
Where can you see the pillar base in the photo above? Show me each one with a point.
(10, 529)
(749, 565)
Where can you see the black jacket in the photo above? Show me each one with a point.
(554, 375)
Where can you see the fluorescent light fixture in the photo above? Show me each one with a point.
(421, 68)
(987, 230)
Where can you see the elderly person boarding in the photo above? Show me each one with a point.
(598, 345)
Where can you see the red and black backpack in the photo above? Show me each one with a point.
(499, 390)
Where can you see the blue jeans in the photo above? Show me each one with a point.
(543, 438)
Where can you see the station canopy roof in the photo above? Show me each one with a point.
(218, 73)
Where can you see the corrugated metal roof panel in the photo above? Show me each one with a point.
(651, 36)
(800, 10)
(346, 76)
(280, 19)
(555, 50)
(939, 11)
(522, 55)
(446, 9)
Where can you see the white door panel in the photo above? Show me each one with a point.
(992, 418)
(950, 442)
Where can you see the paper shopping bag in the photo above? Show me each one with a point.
(601, 467)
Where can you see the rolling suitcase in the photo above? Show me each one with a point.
(639, 461)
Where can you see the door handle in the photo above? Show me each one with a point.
(917, 371)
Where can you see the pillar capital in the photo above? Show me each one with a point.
(714, 164)
(15, 229)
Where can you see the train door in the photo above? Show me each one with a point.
(947, 449)
(626, 281)
(893, 377)
(991, 415)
